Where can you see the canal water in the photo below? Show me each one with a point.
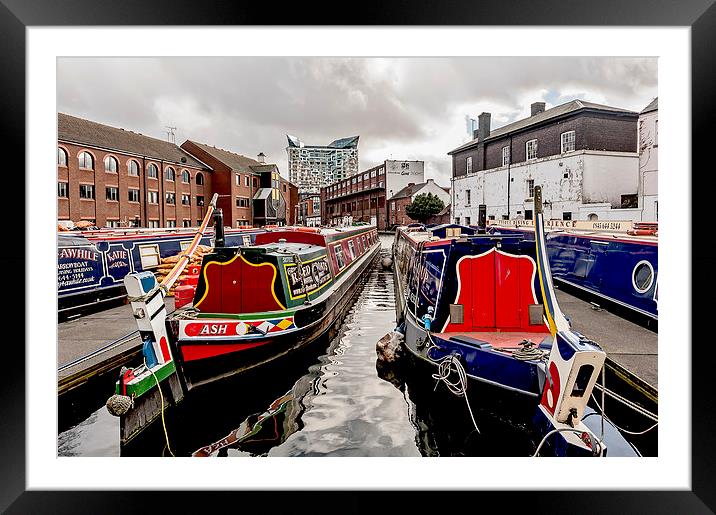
(335, 398)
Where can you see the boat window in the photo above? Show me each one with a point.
(338, 251)
(184, 244)
(149, 255)
(352, 250)
(643, 276)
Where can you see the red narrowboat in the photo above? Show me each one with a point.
(254, 304)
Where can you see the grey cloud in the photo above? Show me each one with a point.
(248, 104)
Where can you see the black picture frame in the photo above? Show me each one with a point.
(17, 15)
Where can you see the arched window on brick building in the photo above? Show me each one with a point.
(86, 161)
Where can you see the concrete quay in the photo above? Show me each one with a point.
(627, 343)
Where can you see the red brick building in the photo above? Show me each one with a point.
(443, 217)
(360, 198)
(309, 209)
(400, 200)
(113, 177)
(232, 176)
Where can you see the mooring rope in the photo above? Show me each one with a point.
(108, 347)
(161, 398)
(635, 433)
(459, 388)
(569, 430)
(627, 403)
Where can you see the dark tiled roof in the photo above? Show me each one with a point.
(653, 106)
(445, 211)
(560, 110)
(408, 191)
(264, 167)
(231, 159)
(92, 134)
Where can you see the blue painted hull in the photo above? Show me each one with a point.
(92, 270)
(428, 276)
(617, 268)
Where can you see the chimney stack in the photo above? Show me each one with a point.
(537, 107)
(483, 127)
(261, 158)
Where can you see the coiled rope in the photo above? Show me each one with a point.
(459, 388)
(528, 352)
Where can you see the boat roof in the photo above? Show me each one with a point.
(284, 248)
(603, 235)
(419, 235)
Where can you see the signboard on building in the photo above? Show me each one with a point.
(398, 174)
(415, 169)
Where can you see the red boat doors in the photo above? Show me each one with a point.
(496, 290)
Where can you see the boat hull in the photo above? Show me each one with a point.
(91, 267)
(204, 361)
(617, 268)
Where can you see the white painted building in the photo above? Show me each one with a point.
(649, 161)
(581, 185)
(584, 156)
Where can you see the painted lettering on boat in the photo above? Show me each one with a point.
(213, 329)
(78, 254)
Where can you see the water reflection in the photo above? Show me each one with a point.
(340, 407)
(345, 402)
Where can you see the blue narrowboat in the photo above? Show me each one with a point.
(91, 265)
(480, 309)
(620, 267)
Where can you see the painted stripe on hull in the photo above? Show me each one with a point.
(192, 352)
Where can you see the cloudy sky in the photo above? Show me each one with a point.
(402, 108)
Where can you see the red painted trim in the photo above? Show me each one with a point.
(291, 237)
(97, 236)
(437, 243)
(554, 388)
(604, 238)
(165, 348)
(204, 351)
(583, 236)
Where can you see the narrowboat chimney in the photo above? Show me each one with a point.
(219, 239)
(538, 200)
(482, 219)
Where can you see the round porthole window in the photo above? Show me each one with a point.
(643, 276)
